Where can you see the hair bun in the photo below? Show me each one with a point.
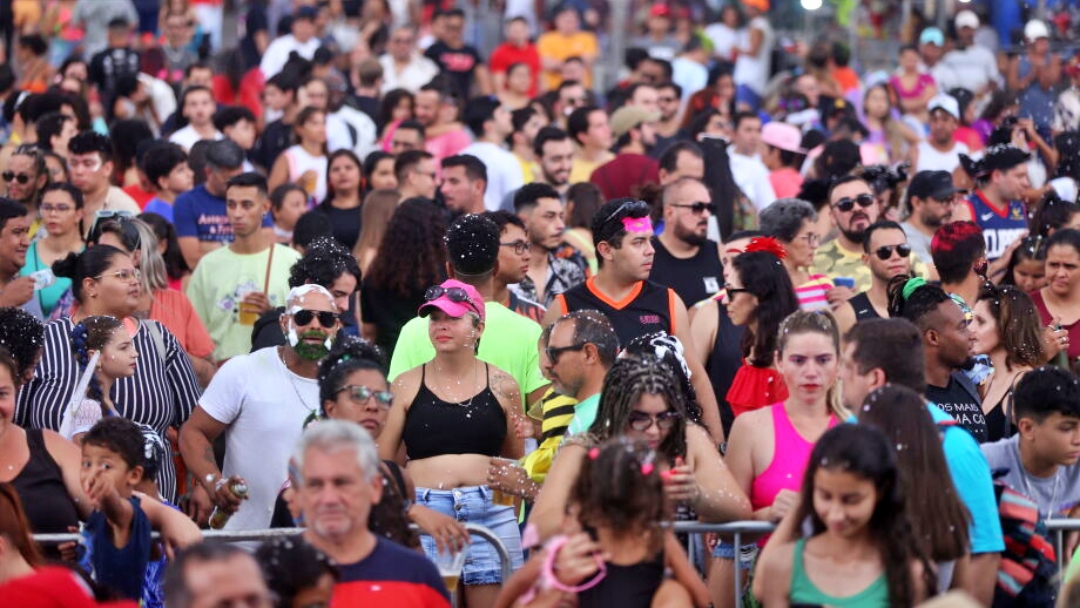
(67, 267)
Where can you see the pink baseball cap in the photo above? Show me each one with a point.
(454, 298)
(783, 136)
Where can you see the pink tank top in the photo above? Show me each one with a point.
(790, 457)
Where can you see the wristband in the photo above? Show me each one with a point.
(553, 547)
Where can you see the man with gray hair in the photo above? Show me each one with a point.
(337, 480)
(580, 351)
(792, 221)
(685, 259)
(263, 400)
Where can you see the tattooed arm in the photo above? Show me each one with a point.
(506, 391)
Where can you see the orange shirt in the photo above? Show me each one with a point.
(554, 45)
(173, 310)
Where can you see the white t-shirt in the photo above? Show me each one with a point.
(725, 40)
(752, 177)
(932, 159)
(277, 54)
(753, 70)
(188, 136)
(974, 66)
(416, 74)
(264, 405)
(503, 171)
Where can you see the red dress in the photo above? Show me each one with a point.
(754, 388)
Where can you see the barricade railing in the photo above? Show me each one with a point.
(736, 530)
(505, 563)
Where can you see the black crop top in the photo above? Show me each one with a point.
(434, 427)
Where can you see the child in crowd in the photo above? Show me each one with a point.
(116, 358)
(853, 496)
(1041, 459)
(117, 534)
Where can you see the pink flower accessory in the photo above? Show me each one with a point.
(638, 224)
(647, 468)
(594, 453)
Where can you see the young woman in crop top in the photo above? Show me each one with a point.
(453, 415)
(770, 447)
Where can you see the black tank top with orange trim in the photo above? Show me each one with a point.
(649, 308)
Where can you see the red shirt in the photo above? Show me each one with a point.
(506, 55)
(619, 177)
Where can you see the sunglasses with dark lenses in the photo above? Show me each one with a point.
(454, 294)
(553, 352)
(304, 317)
(697, 208)
(847, 204)
(641, 422)
(885, 252)
(22, 178)
(631, 206)
(361, 395)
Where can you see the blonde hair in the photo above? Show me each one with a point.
(818, 322)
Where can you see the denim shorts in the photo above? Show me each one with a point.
(726, 550)
(473, 505)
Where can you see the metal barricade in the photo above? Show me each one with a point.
(505, 563)
(736, 529)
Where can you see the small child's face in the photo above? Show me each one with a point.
(100, 465)
(119, 356)
(316, 595)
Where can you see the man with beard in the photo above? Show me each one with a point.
(262, 401)
(621, 289)
(853, 208)
(580, 351)
(514, 258)
(887, 255)
(1002, 177)
(685, 259)
(238, 283)
(437, 110)
(539, 206)
(931, 200)
(947, 344)
(940, 151)
(554, 154)
(635, 135)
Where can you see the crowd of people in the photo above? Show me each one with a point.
(341, 270)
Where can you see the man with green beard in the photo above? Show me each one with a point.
(262, 400)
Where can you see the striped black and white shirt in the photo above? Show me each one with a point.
(161, 394)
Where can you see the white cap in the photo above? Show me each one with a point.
(1035, 29)
(944, 102)
(966, 18)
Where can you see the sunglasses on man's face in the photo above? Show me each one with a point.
(304, 317)
(22, 178)
(847, 203)
(885, 252)
(698, 208)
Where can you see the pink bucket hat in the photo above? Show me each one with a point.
(783, 136)
(454, 298)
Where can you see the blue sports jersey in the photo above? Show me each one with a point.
(1000, 228)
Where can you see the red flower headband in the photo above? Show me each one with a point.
(767, 244)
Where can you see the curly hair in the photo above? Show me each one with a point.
(324, 261)
(628, 379)
(22, 335)
(348, 355)
(92, 333)
(411, 256)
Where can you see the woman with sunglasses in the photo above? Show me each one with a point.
(791, 221)
(1006, 327)
(452, 416)
(62, 215)
(163, 390)
(759, 296)
(770, 447)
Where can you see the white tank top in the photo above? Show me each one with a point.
(930, 159)
(300, 162)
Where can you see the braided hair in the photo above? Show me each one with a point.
(628, 379)
(669, 350)
(92, 333)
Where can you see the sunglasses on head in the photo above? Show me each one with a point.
(847, 203)
(361, 395)
(698, 208)
(456, 295)
(631, 206)
(641, 422)
(304, 317)
(885, 251)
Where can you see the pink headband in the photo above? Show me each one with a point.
(637, 224)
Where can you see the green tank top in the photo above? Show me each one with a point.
(803, 591)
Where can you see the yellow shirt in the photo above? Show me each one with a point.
(554, 45)
(527, 170)
(583, 169)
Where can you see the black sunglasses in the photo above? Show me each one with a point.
(360, 395)
(22, 178)
(885, 251)
(631, 206)
(304, 317)
(640, 421)
(734, 291)
(698, 208)
(519, 246)
(553, 352)
(847, 204)
(454, 294)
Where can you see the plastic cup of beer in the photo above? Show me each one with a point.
(498, 497)
(450, 564)
(249, 313)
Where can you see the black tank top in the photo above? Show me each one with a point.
(630, 586)
(725, 359)
(434, 427)
(694, 278)
(41, 488)
(864, 310)
(648, 308)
